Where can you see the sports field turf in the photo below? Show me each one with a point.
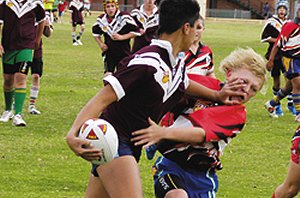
(36, 162)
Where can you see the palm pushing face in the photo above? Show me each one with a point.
(252, 84)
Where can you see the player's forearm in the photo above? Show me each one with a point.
(273, 53)
(93, 108)
(128, 36)
(39, 31)
(190, 135)
(198, 90)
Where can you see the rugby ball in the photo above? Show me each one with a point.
(103, 136)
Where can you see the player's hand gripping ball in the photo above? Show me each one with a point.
(103, 136)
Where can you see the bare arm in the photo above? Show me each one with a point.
(155, 133)
(39, 33)
(101, 44)
(92, 109)
(224, 95)
(122, 37)
(270, 62)
(47, 29)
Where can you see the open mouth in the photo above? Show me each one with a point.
(237, 98)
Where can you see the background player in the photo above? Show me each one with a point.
(37, 68)
(199, 58)
(16, 51)
(146, 17)
(270, 33)
(76, 8)
(139, 89)
(118, 28)
(199, 135)
(288, 42)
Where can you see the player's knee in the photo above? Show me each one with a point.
(176, 193)
(35, 77)
(8, 83)
(293, 190)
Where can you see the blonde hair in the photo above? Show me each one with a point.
(245, 59)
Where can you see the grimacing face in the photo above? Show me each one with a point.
(281, 12)
(252, 83)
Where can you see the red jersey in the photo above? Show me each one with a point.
(289, 40)
(221, 124)
(200, 63)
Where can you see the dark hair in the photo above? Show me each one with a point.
(174, 13)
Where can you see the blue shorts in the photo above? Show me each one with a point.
(125, 148)
(292, 67)
(169, 175)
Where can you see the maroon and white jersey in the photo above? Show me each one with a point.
(148, 23)
(295, 149)
(148, 84)
(19, 18)
(121, 24)
(289, 40)
(272, 29)
(221, 124)
(76, 8)
(200, 63)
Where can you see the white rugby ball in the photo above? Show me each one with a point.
(103, 136)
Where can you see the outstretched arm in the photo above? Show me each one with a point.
(155, 133)
(224, 95)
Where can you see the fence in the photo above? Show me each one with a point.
(222, 13)
(96, 6)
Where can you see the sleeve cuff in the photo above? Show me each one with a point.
(117, 87)
(96, 35)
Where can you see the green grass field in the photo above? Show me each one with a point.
(36, 162)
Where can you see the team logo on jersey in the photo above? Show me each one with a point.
(92, 135)
(9, 4)
(103, 128)
(104, 28)
(166, 77)
(199, 105)
(142, 19)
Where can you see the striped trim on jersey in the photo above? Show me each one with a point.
(76, 4)
(144, 19)
(200, 63)
(119, 21)
(289, 40)
(22, 8)
(168, 77)
(275, 22)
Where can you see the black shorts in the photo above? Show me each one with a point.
(111, 62)
(37, 66)
(167, 183)
(75, 23)
(54, 10)
(21, 67)
(278, 68)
